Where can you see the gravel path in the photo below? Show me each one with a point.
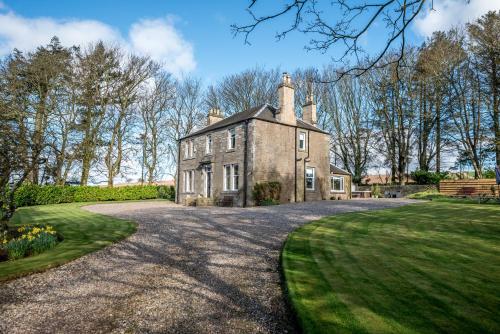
(186, 270)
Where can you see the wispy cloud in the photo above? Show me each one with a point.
(450, 13)
(157, 38)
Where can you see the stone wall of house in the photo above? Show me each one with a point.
(220, 156)
(273, 159)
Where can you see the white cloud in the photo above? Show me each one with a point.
(159, 39)
(156, 38)
(450, 13)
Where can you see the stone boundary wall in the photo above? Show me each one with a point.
(403, 191)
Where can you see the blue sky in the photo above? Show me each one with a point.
(189, 36)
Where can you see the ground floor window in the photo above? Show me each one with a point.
(231, 177)
(189, 181)
(337, 183)
(310, 178)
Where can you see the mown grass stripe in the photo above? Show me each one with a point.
(422, 268)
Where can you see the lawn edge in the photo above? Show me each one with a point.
(134, 225)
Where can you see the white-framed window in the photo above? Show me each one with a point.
(231, 177)
(208, 145)
(192, 149)
(337, 184)
(189, 149)
(188, 181)
(302, 140)
(231, 138)
(310, 178)
(186, 149)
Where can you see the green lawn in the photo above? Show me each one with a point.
(424, 268)
(82, 231)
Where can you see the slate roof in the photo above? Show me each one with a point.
(263, 112)
(335, 170)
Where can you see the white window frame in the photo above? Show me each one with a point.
(208, 145)
(303, 141)
(231, 139)
(186, 149)
(191, 148)
(313, 177)
(342, 184)
(231, 180)
(189, 181)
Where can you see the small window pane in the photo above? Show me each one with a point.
(310, 178)
(302, 141)
(235, 177)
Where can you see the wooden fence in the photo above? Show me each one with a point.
(467, 187)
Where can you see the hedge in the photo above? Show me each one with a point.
(31, 194)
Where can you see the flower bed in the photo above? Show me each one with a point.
(26, 240)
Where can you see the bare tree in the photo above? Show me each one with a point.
(466, 106)
(394, 96)
(346, 30)
(154, 107)
(132, 74)
(484, 38)
(186, 115)
(97, 73)
(242, 91)
(348, 102)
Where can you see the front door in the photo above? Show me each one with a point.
(207, 171)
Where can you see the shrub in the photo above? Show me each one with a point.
(428, 194)
(17, 248)
(166, 192)
(489, 174)
(30, 194)
(265, 193)
(376, 190)
(426, 177)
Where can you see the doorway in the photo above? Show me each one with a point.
(207, 173)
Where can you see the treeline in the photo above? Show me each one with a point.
(91, 114)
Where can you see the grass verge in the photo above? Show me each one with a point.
(82, 231)
(423, 268)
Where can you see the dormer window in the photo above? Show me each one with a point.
(231, 139)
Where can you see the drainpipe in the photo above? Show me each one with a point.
(178, 172)
(245, 165)
(306, 159)
(295, 168)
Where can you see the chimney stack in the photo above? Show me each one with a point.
(286, 110)
(214, 116)
(309, 108)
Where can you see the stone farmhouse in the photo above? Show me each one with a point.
(222, 162)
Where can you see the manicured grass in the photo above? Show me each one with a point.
(82, 231)
(424, 268)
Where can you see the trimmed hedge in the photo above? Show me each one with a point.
(31, 194)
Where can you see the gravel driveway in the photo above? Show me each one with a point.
(186, 270)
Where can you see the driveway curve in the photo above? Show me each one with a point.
(186, 270)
